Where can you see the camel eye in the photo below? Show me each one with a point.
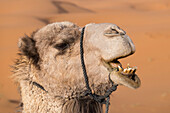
(61, 46)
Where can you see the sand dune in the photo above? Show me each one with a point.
(151, 6)
(68, 7)
(147, 22)
(44, 20)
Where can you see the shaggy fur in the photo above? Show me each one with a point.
(49, 72)
(82, 105)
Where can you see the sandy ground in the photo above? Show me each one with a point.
(147, 22)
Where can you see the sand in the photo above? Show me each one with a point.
(147, 22)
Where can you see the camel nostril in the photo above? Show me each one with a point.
(122, 33)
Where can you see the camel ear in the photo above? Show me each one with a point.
(27, 47)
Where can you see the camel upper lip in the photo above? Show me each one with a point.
(114, 63)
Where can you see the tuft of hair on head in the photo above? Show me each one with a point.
(27, 48)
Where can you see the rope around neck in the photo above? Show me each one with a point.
(103, 99)
(99, 98)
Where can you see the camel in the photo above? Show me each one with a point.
(49, 71)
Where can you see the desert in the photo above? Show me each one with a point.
(147, 22)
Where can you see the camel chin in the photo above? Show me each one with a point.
(122, 76)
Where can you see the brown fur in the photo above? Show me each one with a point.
(82, 105)
(49, 72)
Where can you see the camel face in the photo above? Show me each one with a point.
(49, 68)
(55, 50)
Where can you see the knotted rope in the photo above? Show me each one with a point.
(104, 99)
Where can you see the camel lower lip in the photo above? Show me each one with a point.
(124, 76)
(129, 80)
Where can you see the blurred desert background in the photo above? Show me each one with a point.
(147, 22)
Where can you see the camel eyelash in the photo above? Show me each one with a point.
(61, 46)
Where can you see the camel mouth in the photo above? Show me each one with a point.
(123, 76)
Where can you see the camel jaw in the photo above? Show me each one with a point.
(118, 75)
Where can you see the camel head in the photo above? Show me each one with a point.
(54, 55)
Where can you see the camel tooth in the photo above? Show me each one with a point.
(133, 70)
(120, 68)
(129, 70)
(125, 70)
